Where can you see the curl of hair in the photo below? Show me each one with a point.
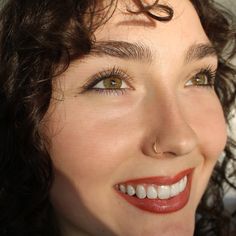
(37, 39)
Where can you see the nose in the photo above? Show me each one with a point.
(177, 139)
(170, 134)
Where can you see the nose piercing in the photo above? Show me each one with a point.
(155, 149)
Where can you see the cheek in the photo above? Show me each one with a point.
(209, 124)
(207, 121)
(88, 149)
(84, 142)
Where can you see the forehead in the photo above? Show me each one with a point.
(183, 30)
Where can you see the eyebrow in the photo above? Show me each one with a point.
(141, 52)
(200, 51)
(123, 50)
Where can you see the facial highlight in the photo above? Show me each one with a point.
(141, 85)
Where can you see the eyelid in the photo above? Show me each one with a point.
(107, 73)
(210, 71)
(209, 67)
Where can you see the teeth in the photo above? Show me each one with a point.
(152, 191)
(122, 188)
(130, 190)
(185, 181)
(163, 192)
(174, 189)
(182, 184)
(140, 191)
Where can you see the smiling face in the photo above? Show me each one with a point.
(144, 82)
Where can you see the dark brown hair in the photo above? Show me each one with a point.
(37, 38)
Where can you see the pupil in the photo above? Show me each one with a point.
(113, 82)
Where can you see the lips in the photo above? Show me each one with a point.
(157, 194)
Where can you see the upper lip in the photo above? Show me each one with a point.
(160, 180)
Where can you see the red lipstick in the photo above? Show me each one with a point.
(158, 205)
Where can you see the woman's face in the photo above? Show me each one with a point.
(144, 81)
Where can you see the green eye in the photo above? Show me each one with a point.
(200, 79)
(203, 78)
(111, 83)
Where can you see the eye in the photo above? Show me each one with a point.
(112, 81)
(199, 80)
(203, 78)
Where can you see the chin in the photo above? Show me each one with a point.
(176, 225)
(173, 230)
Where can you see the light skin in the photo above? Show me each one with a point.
(100, 138)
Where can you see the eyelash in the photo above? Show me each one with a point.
(118, 73)
(210, 74)
(106, 74)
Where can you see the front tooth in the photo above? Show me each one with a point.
(140, 191)
(185, 181)
(174, 189)
(151, 192)
(163, 192)
(130, 190)
(122, 188)
(181, 185)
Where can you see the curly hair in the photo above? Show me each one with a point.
(38, 41)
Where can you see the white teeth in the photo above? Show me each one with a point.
(174, 189)
(185, 181)
(140, 191)
(122, 188)
(182, 184)
(130, 190)
(151, 192)
(163, 192)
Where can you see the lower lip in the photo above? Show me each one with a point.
(161, 206)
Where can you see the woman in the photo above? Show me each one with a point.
(112, 119)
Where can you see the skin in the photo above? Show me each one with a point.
(101, 139)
